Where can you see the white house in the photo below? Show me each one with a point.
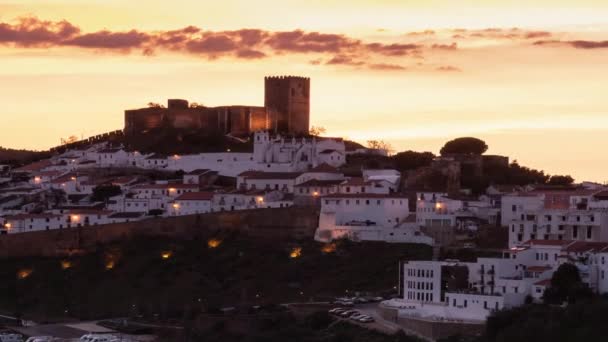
(191, 203)
(258, 180)
(367, 216)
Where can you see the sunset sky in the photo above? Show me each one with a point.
(528, 77)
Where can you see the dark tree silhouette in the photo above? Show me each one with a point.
(466, 145)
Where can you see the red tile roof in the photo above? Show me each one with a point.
(547, 242)
(37, 166)
(324, 168)
(269, 175)
(366, 195)
(195, 196)
(30, 216)
(166, 186)
(585, 246)
(546, 283)
(319, 183)
(355, 181)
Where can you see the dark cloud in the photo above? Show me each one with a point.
(393, 49)
(110, 40)
(307, 42)
(452, 46)
(344, 60)
(32, 31)
(578, 44)
(250, 54)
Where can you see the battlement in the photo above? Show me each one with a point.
(283, 77)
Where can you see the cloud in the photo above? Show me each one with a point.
(452, 46)
(384, 66)
(110, 40)
(448, 68)
(499, 33)
(344, 60)
(32, 32)
(578, 44)
(421, 33)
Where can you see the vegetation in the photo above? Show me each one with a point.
(410, 160)
(567, 286)
(133, 278)
(583, 321)
(102, 193)
(18, 158)
(467, 145)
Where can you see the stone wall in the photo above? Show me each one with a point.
(430, 330)
(276, 224)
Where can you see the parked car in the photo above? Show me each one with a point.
(366, 319)
(349, 313)
(339, 311)
(360, 300)
(8, 337)
(356, 316)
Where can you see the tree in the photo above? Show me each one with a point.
(566, 285)
(560, 180)
(410, 160)
(380, 145)
(101, 193)
(466, 145)
(317, 130)
(155, 212)
(155, 105)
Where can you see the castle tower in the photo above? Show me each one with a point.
(289, 97)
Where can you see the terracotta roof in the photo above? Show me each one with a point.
(356, 181)
(602, 195)
(195, 196)
(366, 195)
(157, 156)
(64, 178)
(320, 183)
(269, 175)
(124, 180)
(166, 186)
(547, 242)
(37, 166)
(324, 168)
(328, 152)
(546, 282)
(51, 174)
(585, 246)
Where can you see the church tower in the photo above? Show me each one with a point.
(289, 98)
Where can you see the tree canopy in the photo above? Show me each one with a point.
(466, 145)
(105, 191)
(566, 285)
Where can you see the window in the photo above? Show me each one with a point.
(465, 303)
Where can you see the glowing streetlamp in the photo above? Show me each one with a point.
(296, 253)
(214, 243)
(315, 193)
(166, 254)
(24, 273)
(66, 264)
(8, 226)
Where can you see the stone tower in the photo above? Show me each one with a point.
(289, 98)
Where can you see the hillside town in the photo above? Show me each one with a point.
(100, 183)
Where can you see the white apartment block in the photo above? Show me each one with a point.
(367, 216)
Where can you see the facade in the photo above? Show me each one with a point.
(470, 291)
(367, 216)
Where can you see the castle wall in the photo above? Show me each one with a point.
(272, 224)
(286, 109)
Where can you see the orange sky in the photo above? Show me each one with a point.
(530, 79)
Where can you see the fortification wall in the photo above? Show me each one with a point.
(275, 224)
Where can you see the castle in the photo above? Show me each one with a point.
(286, 110)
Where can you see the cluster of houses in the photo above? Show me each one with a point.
(60, 192)
(547, 227)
